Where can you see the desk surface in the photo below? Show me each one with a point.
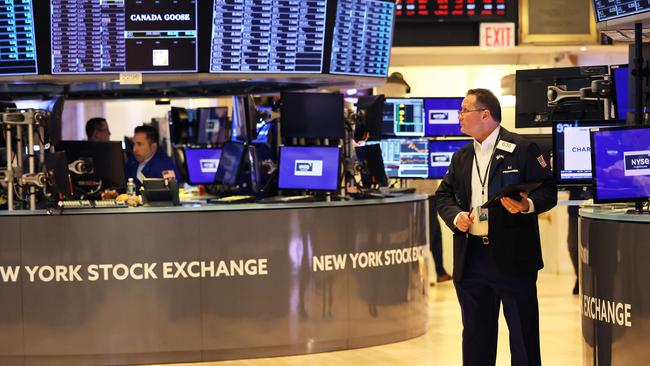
(613, 213)
(219, 207)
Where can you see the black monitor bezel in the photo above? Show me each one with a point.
(593, 163)
(338, 170)
(556, 170)
(189, 178)
(96, 148)
(614, 94)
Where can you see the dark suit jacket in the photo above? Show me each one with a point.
(514, 239)
(154, 168)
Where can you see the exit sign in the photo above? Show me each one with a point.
(497, 35)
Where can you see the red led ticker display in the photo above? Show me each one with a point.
(450, 9)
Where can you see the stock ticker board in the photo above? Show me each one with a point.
(452, 10)
(17, 43)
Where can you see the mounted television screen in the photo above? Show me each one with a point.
(312, 115)
(18, 47)
(621, 160)
(612, 14)
(403, 117)
(405, 158)
(268, 36)
(373, 107)
(441, 117)
(363, 35)
(532, 109)
(313, 168)
(572, 150)
(95, 37)
(621, 98)
(440, 153)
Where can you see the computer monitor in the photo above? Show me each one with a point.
(440, 153)
(372, 166)
(373, 108)
(180, 130)
(362, 38)
(441, 117)
(312, 115)
(95, 164)
(403, 117)
(146, 36)
(312, 168)
(621, 79)
(405, 158)
(532, 109)
(202, 165)
(621, 160)
(545, 144)
(230, 165)
(572, 150)
(58, 175)
(18, 35)
(212, 125)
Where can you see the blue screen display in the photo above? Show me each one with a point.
(440, 153)
(18, 47)
(621, 160)
(309, 168)
(202, 165)
(441, 116)
(621, 83)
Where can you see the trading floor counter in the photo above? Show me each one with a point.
(615, 292)
(186, 284)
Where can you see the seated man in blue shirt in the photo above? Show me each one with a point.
(148, 160)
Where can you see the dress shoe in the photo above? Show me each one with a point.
(443, 278)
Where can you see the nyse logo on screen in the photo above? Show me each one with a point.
(440, 158)
(209, 165)
(308, 168)
(637, 163)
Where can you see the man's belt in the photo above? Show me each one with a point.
(485, 240)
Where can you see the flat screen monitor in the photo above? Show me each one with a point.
(212, 125)
(572, 150)
(149, 36)
(440, 153)
(611, 14)
(621, 79)
(373, 107)
(202, 165)
(460, 11)
(58, 175)
(230, 165)
(18, 50)
(403, 117)
(372, 166)
(532, 108)
(312, 115)
(441, 117)
(313, 168)
(545, 144)
(271, 36)
(621, 160)
(405, 158)
(363, 35)
(102, 164)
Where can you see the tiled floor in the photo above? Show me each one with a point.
(559, 323)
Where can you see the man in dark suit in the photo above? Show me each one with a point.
(148, 160)
(497, 251)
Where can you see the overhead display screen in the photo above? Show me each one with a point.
(363, 34)
(17, 44)
(451, 10)
(112, 36)
(612, 9)
(272, 36)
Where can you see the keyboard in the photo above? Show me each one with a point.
(73, 204)
(402, 190)
(233, 199)
(288, 199)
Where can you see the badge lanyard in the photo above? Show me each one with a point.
(483, 180)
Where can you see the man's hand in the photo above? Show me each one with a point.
(465, 219)
(514, 206)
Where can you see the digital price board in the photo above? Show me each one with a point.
(17, 44)
(453, 10)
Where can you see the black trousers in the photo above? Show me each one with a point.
(481, 292)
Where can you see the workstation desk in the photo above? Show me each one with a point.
(188, 284)
(614, 286)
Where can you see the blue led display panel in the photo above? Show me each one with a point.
(363, 33)
(112, 36)
(17, 44)
(268, 36)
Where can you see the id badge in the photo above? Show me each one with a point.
(482, 213)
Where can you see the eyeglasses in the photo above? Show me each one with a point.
(461, 112)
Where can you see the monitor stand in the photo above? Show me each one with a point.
(638, 209)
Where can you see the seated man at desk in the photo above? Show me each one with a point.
(97, 130)
(148, 160)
